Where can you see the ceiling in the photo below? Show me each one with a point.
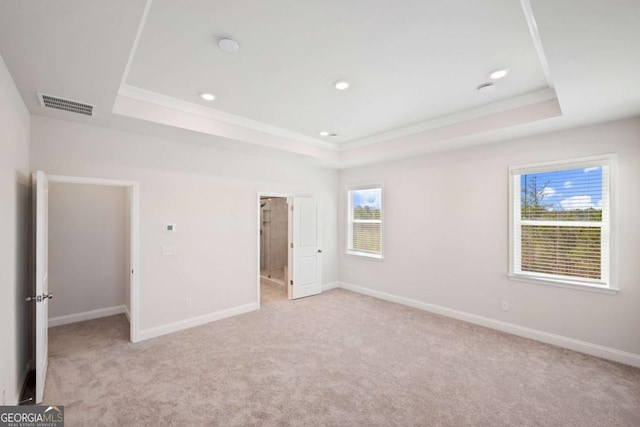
(408, 61)
(414, 67)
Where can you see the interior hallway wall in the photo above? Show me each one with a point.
(87, 247)
(15, 314)
(211, 196)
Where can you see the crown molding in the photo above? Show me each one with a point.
(480, 130)
(455, 118)
(134, 46)
(149, 97)
(537, 41)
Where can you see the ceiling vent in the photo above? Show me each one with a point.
(65, 104)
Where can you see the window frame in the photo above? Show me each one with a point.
(608, 282)
(350, 221)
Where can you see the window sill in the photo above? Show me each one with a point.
(563, 284)
(365, 255)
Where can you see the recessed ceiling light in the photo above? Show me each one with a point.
(342, 84)
(325, 134)
(499, 73)
(229, 45)
(207, 96)
(486, 87)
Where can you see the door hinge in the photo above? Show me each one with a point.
(292, 244)
(291, 281)
(39, 298)
(291, 208)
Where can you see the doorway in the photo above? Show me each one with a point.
(130, 190)
(88, 253)
(300, 275)
(41, 296)
(274, 248)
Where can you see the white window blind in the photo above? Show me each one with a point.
(365, 221)
(561, 222)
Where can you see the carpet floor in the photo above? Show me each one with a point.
(336, 359)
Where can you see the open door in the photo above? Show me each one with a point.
(42, 294)
(306, 251)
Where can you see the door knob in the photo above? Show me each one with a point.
(47, 296)
(319, 251)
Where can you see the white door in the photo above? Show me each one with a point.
(306, 250)
(42, 295)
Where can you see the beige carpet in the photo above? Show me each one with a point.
(337, 359)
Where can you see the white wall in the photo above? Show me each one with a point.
(88, 262)
(14, 235)
(446, 235)
(209, 193)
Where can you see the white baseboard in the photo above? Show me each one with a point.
(534, 334)
(332, 285)
(127, 313)
(195, 321)
(86, 315)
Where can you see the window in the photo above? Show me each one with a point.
(560, 223)
(365, 221)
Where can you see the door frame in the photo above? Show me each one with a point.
(134, 202)
(289, 197)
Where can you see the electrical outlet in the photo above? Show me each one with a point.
(504, 306)
(188, 302)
